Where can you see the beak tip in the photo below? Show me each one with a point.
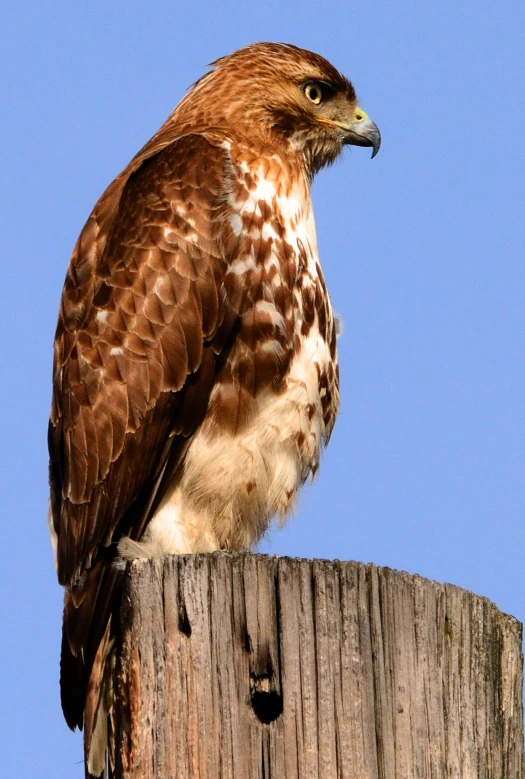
(365, 134)
(375, 138)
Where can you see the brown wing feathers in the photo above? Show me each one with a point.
(142, 320)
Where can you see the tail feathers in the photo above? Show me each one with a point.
(73, 684)
(87, 661)
(98, 706)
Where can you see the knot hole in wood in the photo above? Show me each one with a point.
(265, 687)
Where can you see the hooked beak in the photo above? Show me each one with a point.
(362, 132)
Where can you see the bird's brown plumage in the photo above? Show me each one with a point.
(195, 373)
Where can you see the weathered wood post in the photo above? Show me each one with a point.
(241, 666)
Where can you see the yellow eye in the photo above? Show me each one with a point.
(314, 93)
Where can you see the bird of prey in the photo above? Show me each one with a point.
(195, 374)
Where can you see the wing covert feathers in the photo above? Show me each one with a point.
(141, 300)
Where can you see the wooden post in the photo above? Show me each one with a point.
(241, 666)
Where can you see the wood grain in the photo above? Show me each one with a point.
(241, 666)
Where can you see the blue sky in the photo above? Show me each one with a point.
(422, 250)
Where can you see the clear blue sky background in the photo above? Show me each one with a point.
(422, 248)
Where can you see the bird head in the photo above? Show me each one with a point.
(289, 96)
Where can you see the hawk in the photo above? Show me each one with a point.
(195, 374)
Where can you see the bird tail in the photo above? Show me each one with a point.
(87, 662)
(98, 707)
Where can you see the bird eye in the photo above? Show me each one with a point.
(314, 93)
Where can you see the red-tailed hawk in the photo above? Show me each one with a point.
(195, 374)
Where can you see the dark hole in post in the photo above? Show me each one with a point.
(267, 706)
(184, 623)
